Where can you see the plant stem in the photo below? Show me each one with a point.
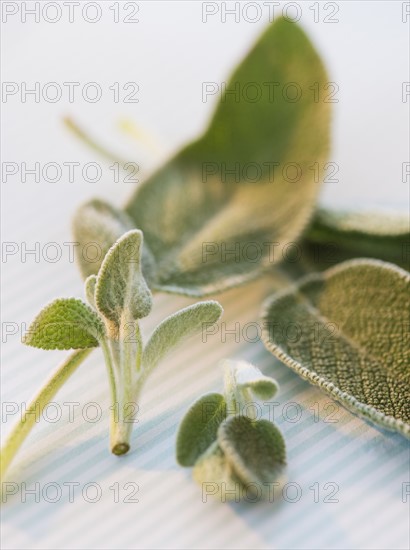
(88, 140)
(124, 406)
(35, 409)
(230, 393)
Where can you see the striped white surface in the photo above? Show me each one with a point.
(368, 466)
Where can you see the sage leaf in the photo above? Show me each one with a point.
(120, 287)
(96, 226)
(199, 427)
(353, 326)
(255, 449)
(207, 230)
(89, 285)
(216, 476)
(248, 378)
(66, 323)
(340, 235)
(176, 327)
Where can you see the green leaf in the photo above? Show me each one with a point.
(66, 323)
(216, 476)
(199, 427)
(96, 227)
(353, 331)
(120, 286)
(89, 285)
(193, 217)
(244, 378)
(176, 327)
(255, 449)
(340, 235)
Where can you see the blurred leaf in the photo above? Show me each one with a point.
(216, 476)
(255, 449)
(339, 235)
(120, 285)
(66, 323)
(193, 217)
(175, 328)
(199, 427)
(353, 337)
(96, 227)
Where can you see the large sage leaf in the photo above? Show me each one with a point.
(350, 336)
(191, 218)
(207, 228)
(340, 235)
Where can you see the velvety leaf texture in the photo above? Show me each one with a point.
(66, 323)
(207, 229)
(353, 325)
(120, 285)
(248, 377)
(175, 328)
(199, 427)
(255, 449)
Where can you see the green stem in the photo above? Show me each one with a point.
(109, 362)
(237, 398)
(231, 397)
(124, 406)
(35, 409)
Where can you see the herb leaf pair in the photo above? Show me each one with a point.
(228, 447)
(118, 298)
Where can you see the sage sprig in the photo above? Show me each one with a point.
(118, 298)
(233, 453)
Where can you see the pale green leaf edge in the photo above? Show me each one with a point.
(154, 350)
(350, 402)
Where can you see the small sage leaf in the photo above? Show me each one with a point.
(339, 235)
(248, 378)
(216, 476)
(120, 286)
(176, 327)
(255, 449)
(199, 427)
(353, 340)
(66, 323)
(89, 285)
(193, 214)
